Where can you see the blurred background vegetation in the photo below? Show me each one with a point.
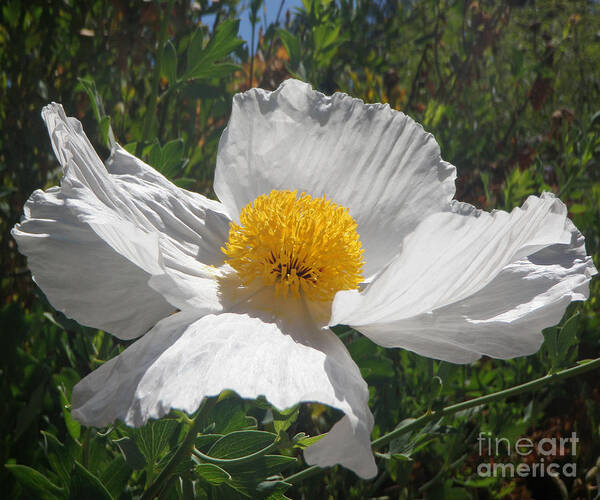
(511, 91)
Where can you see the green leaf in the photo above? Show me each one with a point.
(273, 488)
(84, 484)
(105, 131)
(283, 419)
(578, 208)
(195, 48)
(376, 368)
(246, 479)
(292, 45)
(213, 71)
(36, 482)
(155, 155)
(240, 444)
(116, 475)
(152, 439)
(167, 159)
(200, 61)
(326, 35)
(31, 412)
(224, 41)
(558, 341)
(263, 466)
(73, 427)
(11, 12)
(169, 63)
(433, 114)
(59, 457)
(305, 442)
(227, 491)
(205, 441)
(551, 345)
(568, 335)
(362, 347)
(401, 457)
(172, 156)
(212, 474)
(130, 147)
(97, 453)
(228, 415)
(173, 149)
(399, 469)
(89, 87)
(131, 453)
(595, 118)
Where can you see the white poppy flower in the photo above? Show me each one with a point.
(331, 212)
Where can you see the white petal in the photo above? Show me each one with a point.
(376, 161)
(81, 274)
(474, 283)
(170, 234)
(190, 222)
(184, 359)
(344, 445)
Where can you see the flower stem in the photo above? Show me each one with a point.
(153, 101)
(184, 451)
(449, 410)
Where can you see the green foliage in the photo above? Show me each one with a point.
(241, 444)
(511, 91)
(559, 341)
(201, 60)
(36, 482)
(212, 474)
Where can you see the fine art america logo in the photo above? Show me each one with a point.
(536, 458)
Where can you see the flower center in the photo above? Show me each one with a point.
(296, 243)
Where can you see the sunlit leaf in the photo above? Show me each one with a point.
(152, 438)
(211, 473)
(241, 443)
(200, 60)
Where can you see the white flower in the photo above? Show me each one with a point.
(119, 247)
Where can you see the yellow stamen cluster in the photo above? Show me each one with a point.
(298, 244)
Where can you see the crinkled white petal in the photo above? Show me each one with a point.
(473, 283)
(192, 223)
(81, 274)
(184, 281)
(282, 356)
(374, 160)
(159, 232)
